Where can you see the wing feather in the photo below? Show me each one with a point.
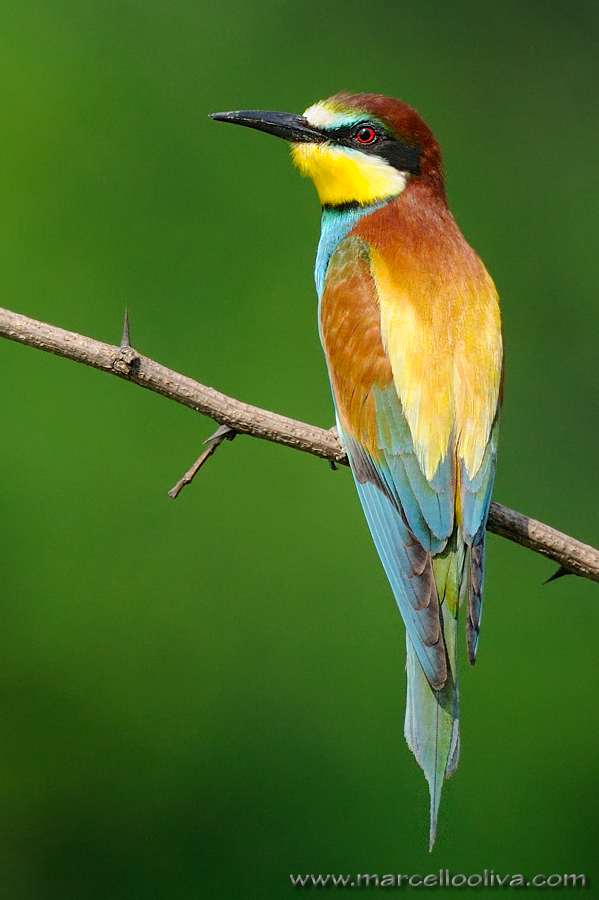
(407, 566)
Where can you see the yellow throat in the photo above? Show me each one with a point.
(344, 175)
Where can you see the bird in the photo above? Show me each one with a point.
(410, 325)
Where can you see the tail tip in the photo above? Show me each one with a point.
(432, 833)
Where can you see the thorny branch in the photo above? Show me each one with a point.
(235, 417)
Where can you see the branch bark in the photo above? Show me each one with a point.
(125, 362)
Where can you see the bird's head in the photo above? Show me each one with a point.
(358, 149)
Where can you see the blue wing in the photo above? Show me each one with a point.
(475, 499)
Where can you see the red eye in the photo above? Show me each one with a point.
(366, 135)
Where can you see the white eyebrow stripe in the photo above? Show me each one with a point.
(322, 116)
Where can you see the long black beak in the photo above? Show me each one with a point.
(291, 128)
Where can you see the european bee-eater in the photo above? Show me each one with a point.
(410, 324)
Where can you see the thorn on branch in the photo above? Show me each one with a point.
(127, 360)
(223, 433)
(559, 573)
(126, 338)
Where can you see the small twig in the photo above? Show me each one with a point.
(572, 555)
(224, 433)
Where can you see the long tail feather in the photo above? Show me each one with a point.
(432, 731)
(432, 716)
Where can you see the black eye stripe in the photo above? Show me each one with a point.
(402, 156)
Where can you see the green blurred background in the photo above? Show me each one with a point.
(200, 697)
